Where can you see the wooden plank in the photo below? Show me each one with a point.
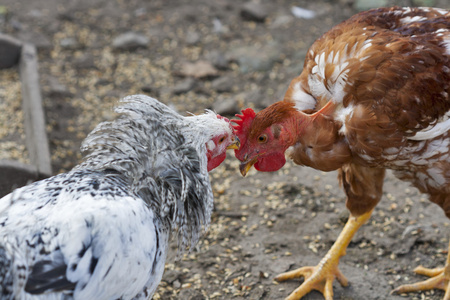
(36, 136)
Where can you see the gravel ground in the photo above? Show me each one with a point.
(222, 55)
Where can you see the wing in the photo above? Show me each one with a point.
(91, 233)
(387, 70)
(49, 275)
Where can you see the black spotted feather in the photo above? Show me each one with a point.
(101, 231)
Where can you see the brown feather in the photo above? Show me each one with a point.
(271, 115)
(396, 87)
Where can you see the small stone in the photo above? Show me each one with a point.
(254, 63)
(35, 13)
(254, 97)
(102, 82)
(85, 61)
(189, 13)
(57, 89)
(171, 276)
(219, 28)
(15, 23)
(303, 13)
(253, 58)
(368, 4)
(218, 59)
(67, 15)
(140, 12)
(192, 38)
(176, 284)
(222, 84)
(184, 86)
(253, 12)
(69, 43)
(199, 69)
(150, 90)
(226, 107)
(282, 21)
(130, 41)
(191, 294)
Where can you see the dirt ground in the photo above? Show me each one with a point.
(265, 223)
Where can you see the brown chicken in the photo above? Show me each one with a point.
(373, 95)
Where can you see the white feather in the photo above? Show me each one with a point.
(105, 225)
(443, 126)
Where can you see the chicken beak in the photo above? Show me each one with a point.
(245, 166)
(235, 145)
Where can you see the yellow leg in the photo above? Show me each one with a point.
(439, 279)
(321, 277)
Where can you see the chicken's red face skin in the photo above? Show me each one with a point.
(217, 149)
(264, 148)
(271, 162)
(265, 152)
(215, 154)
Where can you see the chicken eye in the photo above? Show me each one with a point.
(221, 140)
(262, 138)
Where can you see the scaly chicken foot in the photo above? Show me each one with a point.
(321, 277)
(439, 279)
(318, 278)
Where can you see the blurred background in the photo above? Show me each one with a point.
(221, 54)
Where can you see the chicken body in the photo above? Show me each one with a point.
(386, 76)
(373, 95)
(101, 231)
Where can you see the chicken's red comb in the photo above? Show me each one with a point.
(244, 120)
(223, 118)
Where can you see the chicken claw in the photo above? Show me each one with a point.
(439, 279)
(321, 277)
(318, 278)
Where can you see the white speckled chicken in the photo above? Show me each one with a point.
(101, 231)
(373, 95)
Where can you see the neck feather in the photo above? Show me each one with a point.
(276, 113)
(163, 157)
(294, 122)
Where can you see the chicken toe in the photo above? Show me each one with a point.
(318, 278)
(439, 279)
(321, 277)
